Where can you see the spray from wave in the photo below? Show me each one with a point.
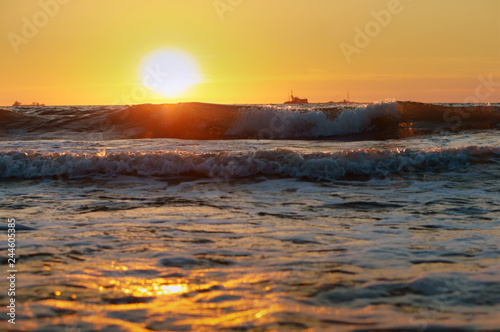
(280, 162)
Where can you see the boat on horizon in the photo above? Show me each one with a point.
(345, 101)
(18, 103)
(296, 100)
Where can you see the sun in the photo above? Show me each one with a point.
(169, 72)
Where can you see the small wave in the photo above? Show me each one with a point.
(279, 162)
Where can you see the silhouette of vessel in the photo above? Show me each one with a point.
(18, 103)
(347, 101)
(296, 100)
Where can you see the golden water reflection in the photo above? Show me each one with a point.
(144, 287)
(236, 303)
(226, 298)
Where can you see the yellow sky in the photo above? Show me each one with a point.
(251, 51)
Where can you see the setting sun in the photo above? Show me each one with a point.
(338, 47)
(169, 72)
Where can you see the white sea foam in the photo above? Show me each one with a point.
(278, 162)
(286, 123)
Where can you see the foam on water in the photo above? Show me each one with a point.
(289, 123)
(267, 254)
(279, 162)
(383, 120)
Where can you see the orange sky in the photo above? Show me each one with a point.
(251, 51)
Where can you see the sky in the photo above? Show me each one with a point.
(93, 52)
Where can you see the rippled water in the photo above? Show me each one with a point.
(409, 251)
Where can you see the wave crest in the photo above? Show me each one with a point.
(383, 120)
(279, 162)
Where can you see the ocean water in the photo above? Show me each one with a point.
(327, 217)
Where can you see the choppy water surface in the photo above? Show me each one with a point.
(255, 235)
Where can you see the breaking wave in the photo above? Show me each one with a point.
(280, 162)
(213, 121)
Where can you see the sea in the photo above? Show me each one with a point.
(203, 217)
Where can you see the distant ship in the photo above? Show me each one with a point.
(295, 100)
(17, 103)
(345, 101)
